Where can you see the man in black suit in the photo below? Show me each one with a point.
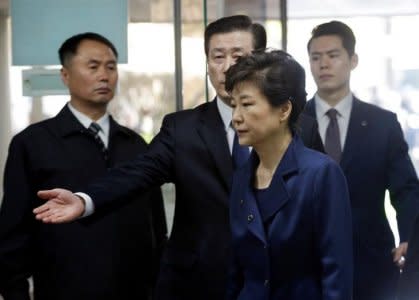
(106, 256)
(192, 150)
(368, 143)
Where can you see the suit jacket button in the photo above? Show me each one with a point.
(250, 218)
(266, 282)
(241, 201)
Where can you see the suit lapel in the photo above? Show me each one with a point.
(310, 109)
(277, 190)
(66, 124)
(358, 124)
(212, 132)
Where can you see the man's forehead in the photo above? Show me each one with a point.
(96, 54)
(327, 42)
(231, 41)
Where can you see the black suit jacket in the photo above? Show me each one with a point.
(375, 159)
(106, 256)
(191, 150)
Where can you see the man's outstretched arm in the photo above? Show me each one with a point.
(62, 206)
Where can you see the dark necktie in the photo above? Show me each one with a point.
(93, 131)
(332, 141)
(239, 153)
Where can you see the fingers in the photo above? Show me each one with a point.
(41, 209)
(44, 212)
(51, 215)
(400, 263)
(399, 255)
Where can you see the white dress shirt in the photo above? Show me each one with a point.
(343, 108)
(226, 113)
(103, 122)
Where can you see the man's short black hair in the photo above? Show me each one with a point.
(335, 28)
(69, 48)
(279, 77)
(236, 23)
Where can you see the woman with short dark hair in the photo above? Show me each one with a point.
(289, 208)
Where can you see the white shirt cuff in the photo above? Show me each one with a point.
(89, 207)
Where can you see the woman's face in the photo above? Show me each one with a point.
(256, 121)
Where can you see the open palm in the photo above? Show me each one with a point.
(62, 206)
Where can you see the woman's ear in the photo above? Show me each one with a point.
(285, 111)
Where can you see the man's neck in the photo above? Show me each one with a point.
(333, 98)
(94, 112)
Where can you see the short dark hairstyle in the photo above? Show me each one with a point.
(69, 48)
(278, 76)
(236, 23)
(335, 28)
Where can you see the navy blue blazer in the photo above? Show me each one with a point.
(306, 251)
(191, 151)
(375, 159)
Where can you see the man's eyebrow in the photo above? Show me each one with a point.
(220, 49)
(96, 61)
(327, 52)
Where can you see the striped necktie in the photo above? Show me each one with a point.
(93, 131)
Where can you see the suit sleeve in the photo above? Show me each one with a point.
(16, 223)
(402, 180)
(333, 232)
(146, 171)
(159, 227)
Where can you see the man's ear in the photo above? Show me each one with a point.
(64, 75)
(354, 61)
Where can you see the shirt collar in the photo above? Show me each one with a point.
(86, 121)
(226, 112)
(343, 107)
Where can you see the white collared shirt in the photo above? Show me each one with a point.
(343, 108)
(103, 122)
(226, 113)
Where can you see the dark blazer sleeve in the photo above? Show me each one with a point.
(146, 171)
(307, 129)
(158, 217)
(333, 230)
(159, 228)
(402, 179)
(16, 222)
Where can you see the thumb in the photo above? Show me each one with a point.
(48, 194)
